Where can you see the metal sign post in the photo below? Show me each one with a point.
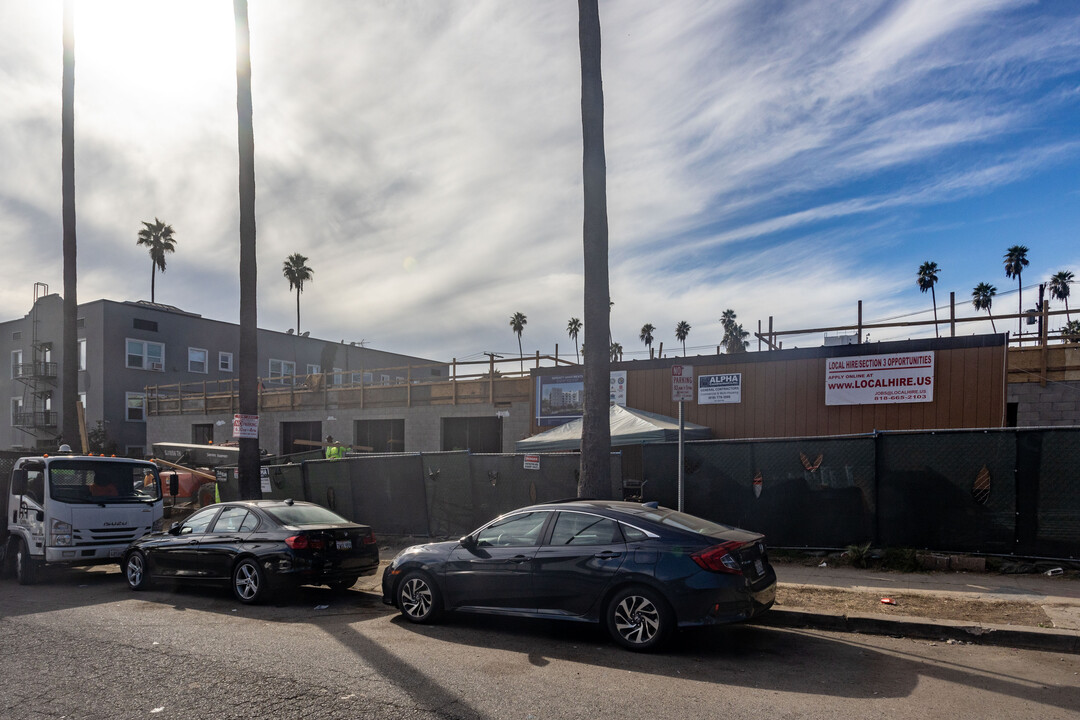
(682, 389)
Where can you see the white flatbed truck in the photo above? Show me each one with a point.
(74, 510)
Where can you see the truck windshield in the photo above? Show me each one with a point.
(88, 481)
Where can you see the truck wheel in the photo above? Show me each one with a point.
(25, 566)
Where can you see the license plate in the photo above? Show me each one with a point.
(344, 544)
(117, 552)
(759, 566)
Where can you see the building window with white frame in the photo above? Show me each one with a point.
(16, 361)
(282, 371)
(16, 410)
(145, 355)
(82, 399)
(136, 406)
(224, 361)
(313, 369)
(82, 353)
(197, 360)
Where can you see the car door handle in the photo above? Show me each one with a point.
(607, 555)
(518, 559)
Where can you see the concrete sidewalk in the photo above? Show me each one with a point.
(1058, 596)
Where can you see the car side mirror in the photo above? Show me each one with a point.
(174, 529)
(468, 542)
(18, 481)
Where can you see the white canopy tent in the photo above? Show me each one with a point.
(628, 427)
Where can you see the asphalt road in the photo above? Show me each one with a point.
(81, 645)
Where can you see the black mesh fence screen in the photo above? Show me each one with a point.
(388, 492)
(984, 491)
(948, 491)
(812, 492)
(448, 488)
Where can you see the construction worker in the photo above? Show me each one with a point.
(333, 449)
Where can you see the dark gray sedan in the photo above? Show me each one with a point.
(640, 569)
(255, 547)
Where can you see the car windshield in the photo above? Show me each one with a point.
(676, 519)
(88, 481)
(304, 515)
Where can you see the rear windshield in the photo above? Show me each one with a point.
(304, 515)
(676, 519)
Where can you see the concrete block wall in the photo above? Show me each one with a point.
(1057, 404)
(423, 424)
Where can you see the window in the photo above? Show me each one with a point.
(135, 451)
(16, 410)
(515, 531)
(313, 369)
(80, 323)
(337, 376)
(82, 353)
(144, 325)
(16, 361)
(145, 355)
(136, 406)
(17, 335)
(379, 435)
(202, 433)
(233, 519)
(280, 370)
(198, 522)
(82, 399)
(197, 360)
(581, 529)
(224, 361)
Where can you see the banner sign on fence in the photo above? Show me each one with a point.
(561, 398)
(875, 379)
(719, 389)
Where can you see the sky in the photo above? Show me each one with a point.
(780, 159)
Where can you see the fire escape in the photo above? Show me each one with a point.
(36, 416)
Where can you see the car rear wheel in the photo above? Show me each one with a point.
(418, 598)
(249, 581)
(639, 618)
(136, 572)
(25, 566)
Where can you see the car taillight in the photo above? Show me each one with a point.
(369, 539)
(718, 558)
(304, 542)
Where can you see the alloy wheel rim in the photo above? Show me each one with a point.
(134, 570)
(416, 598)
(247, 581)
(637, 619)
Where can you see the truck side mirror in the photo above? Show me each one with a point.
(174, 485)
(18, 481)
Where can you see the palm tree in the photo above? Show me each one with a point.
(1071, 331)
(248, 482)
(517, 322)
(982, 297)
(572, 329)
(736, 341)
(158, 237)
(594, 478)
(1059, 289)
(297, 272)
(69, 382)
(727, 321)
(1015, 262)
(681, 331)
(927, 280)
(616, 352)
(647, 336)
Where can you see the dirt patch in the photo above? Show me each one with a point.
(847, 602)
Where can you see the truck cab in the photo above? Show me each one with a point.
(75, 510)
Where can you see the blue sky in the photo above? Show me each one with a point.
(780, 159)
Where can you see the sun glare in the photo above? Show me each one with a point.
(170, 57)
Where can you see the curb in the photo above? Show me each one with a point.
(1048, 639)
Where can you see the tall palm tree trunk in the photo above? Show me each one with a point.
(595, 476)
(1020, 305)
(248, 482)
(70, 369)
(992, 325)
(521, 357)
(298, 311)
(933, 299)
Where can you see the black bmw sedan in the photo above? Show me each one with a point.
(639, 569)
(255, 547)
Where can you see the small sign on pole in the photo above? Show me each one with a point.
(245, 426)
(682, 383)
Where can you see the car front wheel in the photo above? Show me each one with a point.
(249, 581)
(418, 598)
(638, 618)
(135, 571)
